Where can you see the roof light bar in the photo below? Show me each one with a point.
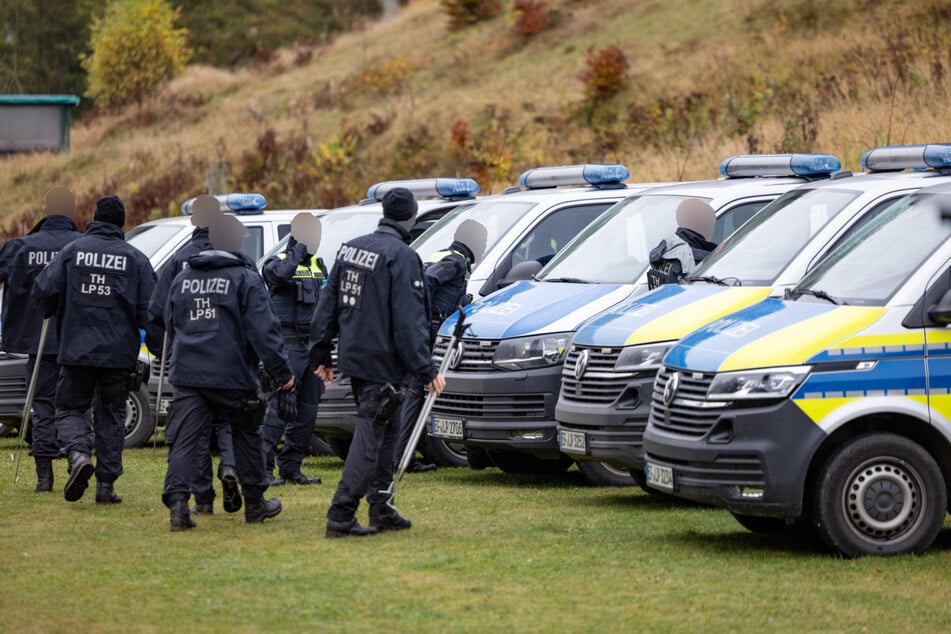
(749, 165)
(239, 203)
(898, 157)
(428, 188)
(590, 174)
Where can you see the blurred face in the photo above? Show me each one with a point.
(59, 201)
(204, 210)
(306, 229)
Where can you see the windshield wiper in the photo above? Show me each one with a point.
(815, 292)
(715, 280)
(567, 280)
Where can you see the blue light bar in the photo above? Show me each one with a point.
(238, 203)
(428, 188)
(889, 158)
(590, 174)
(749, 165)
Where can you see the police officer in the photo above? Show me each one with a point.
(446, 273)
(293, 279)
(204, 210)
(99, 288)
(375, 301)
(21, 260)
(220, 323)
(678, 255)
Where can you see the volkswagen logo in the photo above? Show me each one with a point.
(455, 357)
(670, 390)
(581, 364)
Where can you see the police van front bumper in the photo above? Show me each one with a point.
(752, 461)
(500, 410)
(606, 431)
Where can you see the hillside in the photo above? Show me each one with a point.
(315, 126)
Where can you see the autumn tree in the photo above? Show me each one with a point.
(136, 50)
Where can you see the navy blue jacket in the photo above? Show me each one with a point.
(21, 260)
(199, 242)
(446, 280)
(375, 300)
(293, 279)
(221, 323)
(99, 285)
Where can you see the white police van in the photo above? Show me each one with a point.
(524, 225)
(501, 390)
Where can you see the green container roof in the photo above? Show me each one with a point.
(38, 100)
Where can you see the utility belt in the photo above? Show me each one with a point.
(296, 335)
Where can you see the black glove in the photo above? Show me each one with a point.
(138, 376)
(269, 385)
(287, 403)
(299, 254)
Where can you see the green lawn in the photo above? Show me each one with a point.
(487, 552)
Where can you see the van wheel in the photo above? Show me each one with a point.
(513, 462)
(139, 423)
(340, 446)
(605, 474)
(881, 494)
(319, 446)
(442, 453)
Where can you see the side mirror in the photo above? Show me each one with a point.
(941, 314)
(521, 271)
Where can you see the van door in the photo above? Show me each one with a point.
(937, 340)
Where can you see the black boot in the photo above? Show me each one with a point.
(202, 509)
(348, 529)
(300, 478)
(418, 466)
(258, 509)
(105, 494)
(179, 518)
(80, 470)
(229, 487)
(44, 475)
(385, 518)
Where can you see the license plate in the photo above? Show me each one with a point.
(163, 405)
(446, 427)
(572, 441)
(659, 476)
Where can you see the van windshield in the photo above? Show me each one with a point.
(758, 251)
(615, 249)
(497, 216)
(871, 265)
(150, 238)
(335, 229)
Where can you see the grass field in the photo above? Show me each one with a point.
(487, 552)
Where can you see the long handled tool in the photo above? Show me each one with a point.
(30, 393)
(158, 395)
(420, 423)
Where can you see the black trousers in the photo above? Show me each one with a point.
(368, 469)
(413, 403)
(45, 444)
(202, 484)
(297, 433)
(76, 390)
(191, 415)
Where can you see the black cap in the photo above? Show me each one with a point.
(399, 204)
(110, 209)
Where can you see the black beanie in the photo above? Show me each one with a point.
(399, 204)
(110, 209)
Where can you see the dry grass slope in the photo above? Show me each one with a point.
(407, 98)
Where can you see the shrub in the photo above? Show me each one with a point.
(606, 73)
(462, 13)
(136, 50)
(532, 18)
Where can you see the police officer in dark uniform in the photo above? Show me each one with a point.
(220, 324)
(375, 301)
(204, 210)
(445, 273)
(293, 278)
(99, 287)
(21, 260)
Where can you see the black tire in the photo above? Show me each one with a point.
(764, 525)
(880, 494)
(340, 446)
(139, 422)
(604, 474)
(512, 462)
(319, 446)
(442, 453)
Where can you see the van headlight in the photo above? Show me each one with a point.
(637, 358)
(537, 351)
(769, 383)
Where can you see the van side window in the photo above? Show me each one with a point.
(282, 230)
(733, 218)
(253, 243)
(554, 232)
(918, 316)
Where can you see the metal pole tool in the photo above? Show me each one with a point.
(158, 394)
(30, 393)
